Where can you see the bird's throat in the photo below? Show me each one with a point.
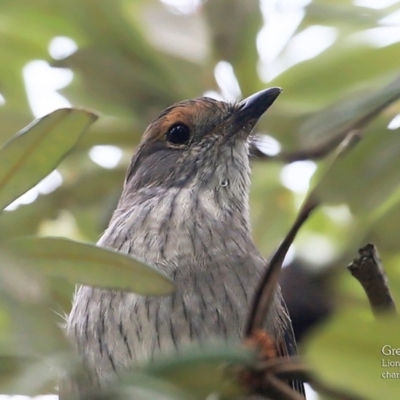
(181, 223)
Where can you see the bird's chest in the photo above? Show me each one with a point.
(212, 261)
(206, 306)
(183, 225)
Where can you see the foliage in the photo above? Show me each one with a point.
(135, 58)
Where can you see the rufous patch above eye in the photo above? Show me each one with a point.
(188, 113)
(179, 114)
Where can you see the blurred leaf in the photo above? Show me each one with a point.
(18, 46)
(298, 129)
(35, 329)
(91, 265)
(8, 368)
(233, 38)
(357, 179)
(27, 219)
(90, 186)
(126, 86)
(102, 17)
(35, 151)
(11, 122)
(271, 206)
(135, 78)
(175, 34)
(114, 131)
(335, 72)
(28, 325)
(30, 376)
(346, 17)
(90, 196)
(366, 177)
(385, 222)
(347, 353)
(353, 112)
(144, 387)
(204, 370)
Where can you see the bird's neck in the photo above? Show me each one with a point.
(164, 225)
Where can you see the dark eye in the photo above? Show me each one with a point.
(178, 134)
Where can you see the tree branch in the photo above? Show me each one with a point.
(281, 369)
(280, 389)
(313, 153)
(368, 270)
(269, 282)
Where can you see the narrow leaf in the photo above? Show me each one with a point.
(35, 151)
(91, 265)
(29, 376)
(141, 386)
(205, 370)
(354, 112)
(29, 327)
(358, 354)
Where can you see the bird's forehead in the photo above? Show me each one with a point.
(203, 111)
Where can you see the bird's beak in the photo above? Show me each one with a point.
(252, 108)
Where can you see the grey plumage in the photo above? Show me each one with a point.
(184, 209)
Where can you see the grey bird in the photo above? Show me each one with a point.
(184, 209)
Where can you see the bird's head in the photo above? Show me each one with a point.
(200, 143)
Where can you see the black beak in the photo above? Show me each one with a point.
(253, 107)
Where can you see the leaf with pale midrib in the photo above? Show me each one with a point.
(34, 152)
(89, 264)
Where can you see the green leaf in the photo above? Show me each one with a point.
(91, 265)
(336, 71)
(353, 112)
(125, 132)
(385, 221)
(204, 370)
(234, 38)
(28, 324)
(347, 353)
(35, 151)
(30, 376)
(367, 176)
(145, 387)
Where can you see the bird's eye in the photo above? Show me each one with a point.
(178, 134)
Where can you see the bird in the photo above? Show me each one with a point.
(184, 209)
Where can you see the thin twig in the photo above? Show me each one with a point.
(295, 368)
(266, 289)
(291, 368)
(368, 270)
(313, 153)
(269, 282)
(323, 149)
(279, 389)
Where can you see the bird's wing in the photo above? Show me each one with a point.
(286, 347)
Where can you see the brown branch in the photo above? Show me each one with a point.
(284, 365)
(269, 282)
(298, 369)
(368, 270)
(323, 149)
(313, 153)
(270, 378)
(279, 390)
(265, 291)
(279, 369)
